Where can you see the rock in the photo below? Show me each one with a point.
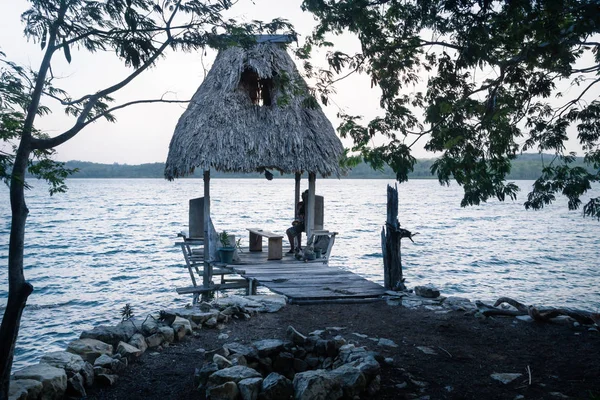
(139, 341)
(238, 348)
(256, 303)
(101, 370)
(327, 363)
(386, 343)
(318, 384)
(128, 351)
(182, 322)
(110, 334)
(75, 386)
(205, 372)
(155, 340)
(374, 386)
(428, 291)
(505, 377)
(118, 365)
(205, 307)
(300, 365)
(199, 316)
(351, 380)
(360, 335)
(89, 349)
(294, 336)
(276, 387)
(71, 363)
(223, 336)
(226, 391)
(54, 380)
(180, 332)
(266, 347)
(234, 374)
(103, 361)
(106, 379)
(525, 318)
(458, 304)
(24, 389)
(168, 333)
(221, 361)
(238, 359)
(368, 366)
(250, 388)
(211, 322)
(150, 326)
(427, 350)
(283, 362)
(312, 361)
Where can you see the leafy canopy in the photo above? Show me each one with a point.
(478, 81)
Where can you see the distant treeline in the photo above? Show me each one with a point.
(526, 166)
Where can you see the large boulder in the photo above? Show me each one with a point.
(76, 387)
(182, 322)
(54, 380)
(428, 291)
(226, 391)
(233, 374)
(250, 388)
(276, 387)
(352, 381)
(168, 333)
(24, 389)
(238, 348)
(89, 349)
(128, 351)
(267, 347)
(139, 341)
(71, 363)
(111, 334)
(317, 384)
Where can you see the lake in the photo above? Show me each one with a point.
(106, 243)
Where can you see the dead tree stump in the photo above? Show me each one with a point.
(391, 234)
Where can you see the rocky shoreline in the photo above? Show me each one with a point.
(324, 363)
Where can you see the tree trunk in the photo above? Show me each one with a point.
(391, 235)
(18, 289)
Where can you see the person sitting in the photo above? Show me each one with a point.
(294, 232)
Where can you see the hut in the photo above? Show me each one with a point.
(252, 114)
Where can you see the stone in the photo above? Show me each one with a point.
(327, 363)
(110, 334)
(118, 365)
(300, 365)
(250, 388)
(524, 318)
(368, 366)
(317, 384)
(139, 341)
(182, 322)
(266, 347)
(505, 377)
(128, 351)
(103, 361)
(76, 386)
(283, 362)
(221, 361)
(205, 372)
(197, 315)
(71, 363)
(89, 349)
(234, 374)
(275, 387)
(168, 333)
(312, 361)
(294, 336)
(455, 303)
(180, 332)
(427, 350)
(54, 380)
(106, 379)
(238, 359)
(101, 370)
(386, 343)
(155, 340)
(223, 336)
(226, 391)
(238, 348)
(255, 303)
(211, 322)
(24, 389)
(374, 386)
(352, 381)
(428, 291)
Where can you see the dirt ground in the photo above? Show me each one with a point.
(555, 360)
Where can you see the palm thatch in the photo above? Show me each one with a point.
(224, 128)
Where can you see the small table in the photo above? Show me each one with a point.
(275, 242)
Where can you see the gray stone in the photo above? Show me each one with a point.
(352, 381)
(234, 374)
(327, 363)
(300, 365)
(101, 370)
(525, 318)
(427, 350)
(266, 347)
(312, 361)
(374, 386)
(276, 387)
(180, 332)
(238, 348)
(106, 379)
(168, 333)
(283, 362)
(226, 391)
(24, 389)
(250, 388)
(238, 359)
(205, 372)
(76, 387)
(195, 314)
(138, 340)
(103, 361)
(223, 336)
(386, 343)
(505, 377)
(458, 304)
(118, 365)
(428, 291)
(110, 334)
(150, 326)
(89, 349)
(155, 340)
(294, 336)
(368, 366)
(54, 380)
(179, 321)
(128, 351)
(211, 322)
(71, 363)
(221, 361)
(256, 303)
(318, 384)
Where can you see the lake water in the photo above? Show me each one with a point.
(106, 243)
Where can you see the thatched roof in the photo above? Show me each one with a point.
(223, 130)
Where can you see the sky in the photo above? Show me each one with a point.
(142, 133)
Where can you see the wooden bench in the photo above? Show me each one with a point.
(275, 242)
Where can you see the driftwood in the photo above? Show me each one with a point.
(537, 313)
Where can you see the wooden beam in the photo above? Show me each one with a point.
(310, 207)
(206, 275)
(297, 178)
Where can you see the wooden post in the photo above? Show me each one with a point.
(310, 207)
(297, 178)
(207, 273)
(391, 235)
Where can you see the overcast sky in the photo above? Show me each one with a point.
(142, 133)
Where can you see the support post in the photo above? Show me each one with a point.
(297, 178)
(310, 207)
(207, 273)
(391, 235)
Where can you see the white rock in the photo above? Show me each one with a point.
(139, 341)
(54, 380)
(24, 389)
(505, 377)
(168, 333)
(427, 350)
(89, 349)
(386, 343)
(183, 322)
(128, 351)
